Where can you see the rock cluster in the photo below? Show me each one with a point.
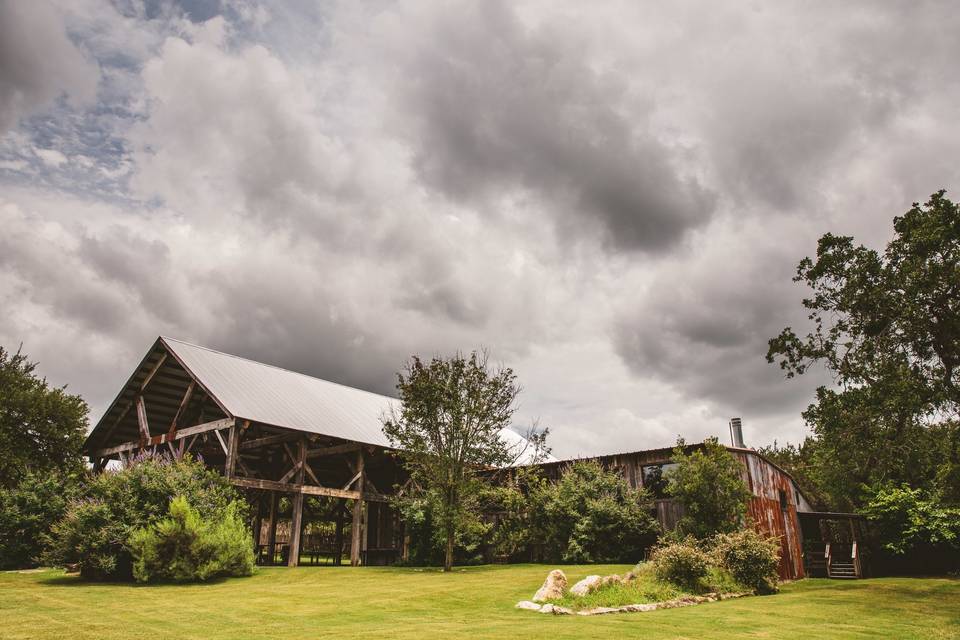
(556, 583)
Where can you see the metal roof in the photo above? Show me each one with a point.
(270, 395)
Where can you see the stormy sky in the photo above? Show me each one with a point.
(611, 197)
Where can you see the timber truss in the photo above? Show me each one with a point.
(265, 460)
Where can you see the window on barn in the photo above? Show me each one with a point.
(654, 479)
(783, 500)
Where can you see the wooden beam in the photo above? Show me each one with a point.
(256, 443)
(296, 523)
(142, 419)
(183, 405)
(300, 464)
(153, 371)
(223, 443)
(130, 403)
(272, 537)
(356, 530)
(338, 535)
(306, 489)
(297, 466)
(334, 450)
(267, 485)
(373, 496)
(233, 443)
(352, 480)
(160, 439)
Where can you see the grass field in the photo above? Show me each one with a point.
(476, 602)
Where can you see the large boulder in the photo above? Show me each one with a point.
(553, 587)
(587, 585)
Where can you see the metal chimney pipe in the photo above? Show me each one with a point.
(736, 433)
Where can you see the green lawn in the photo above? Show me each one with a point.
(477, 602)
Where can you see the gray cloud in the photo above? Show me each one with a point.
(498, 107)
(38, 62)
(612, 200)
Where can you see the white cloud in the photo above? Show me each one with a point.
(51, 157)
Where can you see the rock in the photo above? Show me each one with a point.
(561, 611)
(547, 608)
(612, 579)
(553, 586)
(526, 604)
(640, 607)
(587, 585)
(596, 611)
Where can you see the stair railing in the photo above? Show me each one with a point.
(856, 559)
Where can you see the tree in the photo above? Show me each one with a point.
(799, 461)
(592, 515)
(887, 326)
(908, 519)
(708, 482)
(447, 431)
(27, 511)
(42, 428)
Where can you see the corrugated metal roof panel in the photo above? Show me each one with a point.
(263, 393)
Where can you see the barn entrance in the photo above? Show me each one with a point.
(833, 545)
(326, 531)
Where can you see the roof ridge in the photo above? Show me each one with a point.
(273, 366)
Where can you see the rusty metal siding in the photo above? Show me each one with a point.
(769, 516)
(765, 481)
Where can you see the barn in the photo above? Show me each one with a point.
(276, 433)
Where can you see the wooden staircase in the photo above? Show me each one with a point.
(840, 565)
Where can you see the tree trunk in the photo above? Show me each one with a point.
(448, 558)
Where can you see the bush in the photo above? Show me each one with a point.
(95, 530)
(681, 563)
(28, 511)
(592, 515)
(709, 483)
(186, 547)
(907, 519)
(750, 558)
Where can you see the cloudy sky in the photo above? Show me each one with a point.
(612, 200)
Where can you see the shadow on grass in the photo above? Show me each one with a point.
(74, 580)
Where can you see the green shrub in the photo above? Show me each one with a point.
(909, 519)
(750, 558)
(28, 511)
(681, 563)
(709, 483)
(94, 532)
(186, 547)
(591, 515)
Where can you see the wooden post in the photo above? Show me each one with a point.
(296, 520)
(356, 529)
(142, 420)
(257, 523)
(272, 540)
(233, 444)
(338, 538)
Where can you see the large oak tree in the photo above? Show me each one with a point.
(886, 324)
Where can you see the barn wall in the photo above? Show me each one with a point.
(764, 480)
